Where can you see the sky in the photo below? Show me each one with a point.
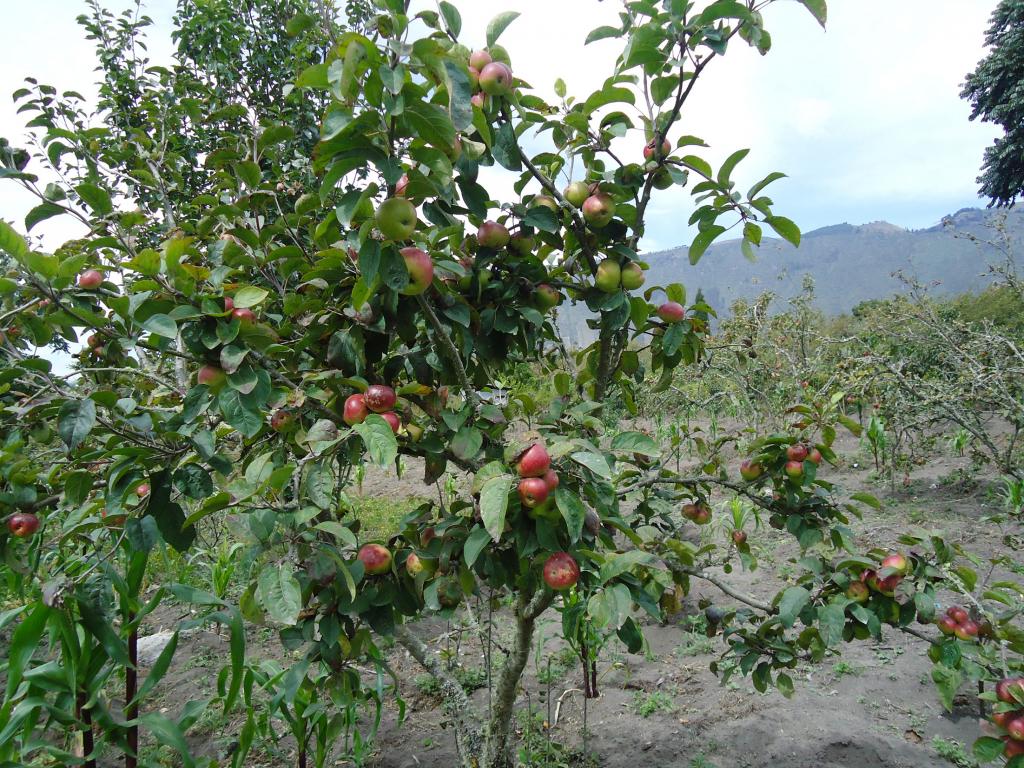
(864, 118)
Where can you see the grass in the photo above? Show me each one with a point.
(470, 678)
(647, 704)
(557, 665)
(381, 517)
(844, 668)
(953, 752)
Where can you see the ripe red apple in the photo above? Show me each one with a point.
(534, 461)
(421, 271)
(968, 631)
(794, 469)
(598, 210)
(479, 59)
(592, 522)
(376, 559)
(402, 185)
(547, 201)
(244, 315)
(609, 276)
(142, 490)
(1015, 728)
(1011, 690)
(413, 565)
(561, 571)
(90, 280)
(870, 577)
(396, 218)
(547, 297)
(496, 79)
(576, 193)
(947, 625)
(380, 398)
(897, 562)
(887, 586)
(94, 340)
(282, 420)
(229, 304)
(814, 455)
(355, 411)
(533, 491)
(22, 524)
(492, 235)
(796, 452)
(551, 480)
(393, 421)
(1002, 719)
(671, 312)
(212, 376)
(427, 535)
(739, 538)
(651, 150)
(632, 276)
(750, 470)
(1012, 747)
(958, 614)
(703, 516)
(858, 592)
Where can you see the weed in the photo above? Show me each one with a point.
(647, 704)
(953, 752)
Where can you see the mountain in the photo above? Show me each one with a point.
(849, 264)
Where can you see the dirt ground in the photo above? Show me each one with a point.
(873, 707)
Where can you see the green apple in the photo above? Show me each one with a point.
(632, 276)
(609, 276)
(396, 218)
(576, 193)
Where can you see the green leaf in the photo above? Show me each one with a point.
(452, 19)
(610, 607)
(725, 172)
(23, 644)
(94, 618)
(235, 413)
(75, 421)
(723, 9)
(459, 93)
(249, 172)
(167, 732)
(506, 149)
(988, 748)
(161, 325)
(379, 440)
(866, 498)
(40, 213)
(96, 198)
(494, 504)
(775, 176)
(77, 486)
(785, 684)
(498, 25)
(279, 593)
(595, 462)
(467, 443)
(947, 681)
(339, 531)
(572, 510)
(602, 33)
(274, 134)
(818, 9)
(542, 218)
(703, 240)
(12, 242)
(792, 602)
(159, 668)
(785, 228)
(169, 516)
(249, 296)
(635, 442)
(476, 541)
(618, 564)
(431, 123)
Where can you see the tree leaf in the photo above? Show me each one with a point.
(635, 442)
(703, 240)
(792, 602)
(96, 198)
(169, 516)
(12, 242)
(452, 19)
(41, 212)
(602, 33)
(595, 462)
(572, 509)
(785, 228)
(498, 25)
(818, 9)
(379, 439)
(23, 644)
(476, 541)
(161, 325)
(494, 504)
(167, 732)
(249, 296)
(75, 421)
(279, 593)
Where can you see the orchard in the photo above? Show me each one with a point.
(290, 271)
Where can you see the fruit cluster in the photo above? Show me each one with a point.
(1010, 715)
(884, 580)
(958, 622)
(379, 399)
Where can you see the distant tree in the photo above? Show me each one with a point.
(996, 92)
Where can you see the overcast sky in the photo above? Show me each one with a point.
(865, 118)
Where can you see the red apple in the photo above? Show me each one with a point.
(551, 480)
(413, 565)
(651, 150)
(393, 421)
(402, 185)
(750, 470)
(898, 563)
(547, 201)
(671, 312)
(244, 315)
(794, 469)
(479, 59)
(492, 235)
(474, 80)
(396, 218)
(858, 592)
(90, 280)
(609, 276)
(421, 271)
(1011, 690)
(533, 491)
(947, 626)
(376, 559)
(1002, 719)
(814, 455)
(1012, 747)
(592, 522)
(427, 535)
(739, 538)
(968, 631)
(887, 586)
(561, 571)
(598, 210)
(496, 79)
(958, 614)
(94, 341)
(22, 524)
(142, 490)
(534, 461)
(282, 420)
(380, 398)
(547, 297)
(796, 452)
(479, 100)
(355, 411)
(212, 376)
(229, 304)
(1015, 728)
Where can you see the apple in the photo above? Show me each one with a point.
(427, 535)
(887, 586)
(796, 452)
(858, 592)
(898, 563)
(547, 297)
(415, 431)
(90, 280)
(750, 470)
(533, 491)
(393, 421)
(449, 592)
(795, 469)
(142, 490)
(651, 150)
(598, 210)
(958, 614)
(396, 218)
(1010, 690)
(1015, 728)
(402, 185)
(534, 461)
(703, 516)
(739, 538)
(376, 559)
(421, 271)
(22, 524)
(1002, 719)
(671, 312)
(355, 410)
(474, 80)
(547, 201)
(947, 625)
(551, 480)
(592, 522)
(1012, 747)
(496, 79)
(244, 316)
(814, 455)
(967, 631)
(229, 304)
(632, 276)
(282, 420)
(662, 179)
(479, 59)
(212, 376)
(380, 398)
(479, 100)
(521, 245)
(609, 276)
(492, 235)
(576, 193)
(561, 571)
(413, 565)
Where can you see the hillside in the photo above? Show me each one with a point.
(849, 264)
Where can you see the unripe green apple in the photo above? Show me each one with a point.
(632, 276)
(547, 201)
(496, 79)
(396, 218)
(609, 276)
(547, 297)
(576, 193)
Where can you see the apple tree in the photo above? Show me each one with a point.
(289, 267)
